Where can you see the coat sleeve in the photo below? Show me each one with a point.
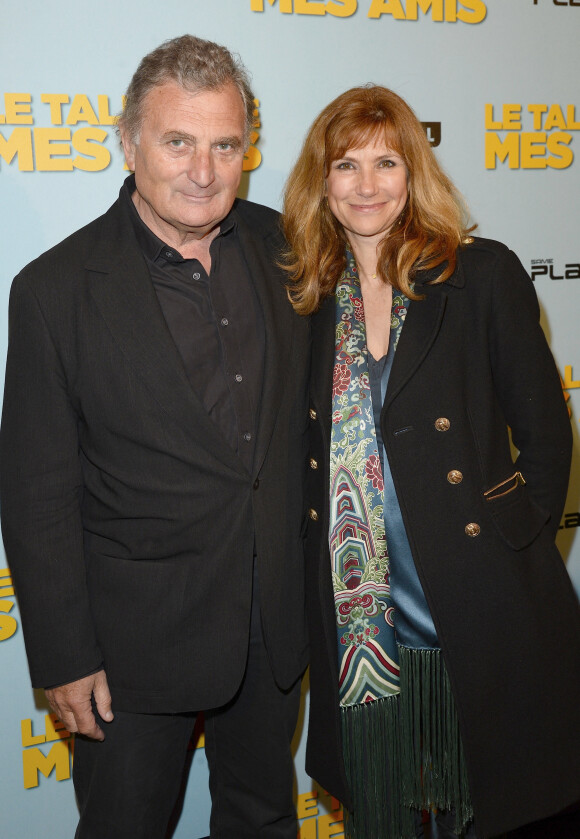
(41, 496)
(528, 387)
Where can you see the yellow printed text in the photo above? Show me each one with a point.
(36, 762)
(569, 382)
(58, 757)
(47, 149)
(317, 825)
(449, 11)
(8, 624)
(337, 8)
(546, 146)
(253, 156)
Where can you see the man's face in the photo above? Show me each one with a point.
(187, 159)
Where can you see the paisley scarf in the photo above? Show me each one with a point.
(367, 648)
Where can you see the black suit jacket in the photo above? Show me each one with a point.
(472, 353)
(129, 523)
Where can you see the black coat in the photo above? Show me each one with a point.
(473, 355)
(129, 523)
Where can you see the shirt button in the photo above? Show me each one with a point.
(313, 463)
(239, 377)
(196, 275)
(312, 414)
(224, 322)
(313, 514)
(442, 424)
(168, 254)
(472, 529)
(247, 436)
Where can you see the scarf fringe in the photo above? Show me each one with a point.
(373, 772)
(403, 753)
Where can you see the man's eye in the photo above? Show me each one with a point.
(176, 143)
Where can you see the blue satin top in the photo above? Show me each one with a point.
(413, 623)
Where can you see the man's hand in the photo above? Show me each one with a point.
(72, 704)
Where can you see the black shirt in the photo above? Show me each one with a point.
(216, 323)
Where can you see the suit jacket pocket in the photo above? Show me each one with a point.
(515, 514)
(137, 608)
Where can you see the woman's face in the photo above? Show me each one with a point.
(367, 191)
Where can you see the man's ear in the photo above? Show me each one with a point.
(129, 147)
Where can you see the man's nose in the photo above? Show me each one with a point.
(201, 167)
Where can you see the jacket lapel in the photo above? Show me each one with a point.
(121, 287)
(279, 322)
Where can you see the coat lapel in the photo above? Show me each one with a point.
(120, 284)
(323, 348)
(417, 336)
(421, 328)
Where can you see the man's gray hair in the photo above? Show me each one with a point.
(194, 64)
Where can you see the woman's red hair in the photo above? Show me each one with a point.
(429, 230)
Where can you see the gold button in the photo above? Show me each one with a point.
(455, 476)
(313, 414)
(472, 529)
(442, 424)
(313, 514)
(313, 463)
(468, 240)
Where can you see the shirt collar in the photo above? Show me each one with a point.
(151, 245)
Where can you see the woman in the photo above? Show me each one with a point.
(445, 633)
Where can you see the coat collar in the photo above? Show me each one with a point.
(120, 284)
(456, 280)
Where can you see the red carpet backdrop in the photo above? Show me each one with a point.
(496, 85)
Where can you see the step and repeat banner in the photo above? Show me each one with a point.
(495, 84)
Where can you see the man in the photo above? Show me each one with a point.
(152, 448)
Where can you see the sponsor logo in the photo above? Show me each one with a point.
(570, 520)
(547, 269)
(558, 2)
(543, 142)
(433, 132)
